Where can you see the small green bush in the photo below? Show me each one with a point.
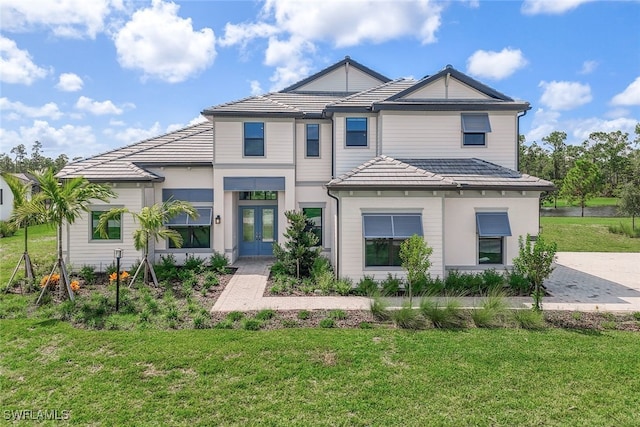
(493, 307)
(224, 324)
(327, 323)
(265, 314)
(278, 269)
(576, 315)
(492, 279)
(304, 314)
(200, 321)
(609, 324)
(320, 266)
(367, 286)
(7, 229)
(379, 309)
(625, 230)
(391, 285)
(636, 315)
(365, 325)
(219, 263)
(407, 318)
(251, 324)
(234, 316)
(166, 270)
(289, 323)
(343, 286)
(194, 264)
(88, 274)
(519, 284)
(210, 279)
(171, 313)
(326, 282)
(447, 315)
(338, 314)
(529, 319)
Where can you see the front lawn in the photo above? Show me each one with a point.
(596, 201)
(588, 234)
(321, 377)
(42, 251)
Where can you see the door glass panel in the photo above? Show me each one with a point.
(248, 225)
(267, 225)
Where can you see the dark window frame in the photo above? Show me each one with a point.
(95, 236)
(475, 127)
(312, 144)
(188, 243)
(318, 230)
(488, 260)
(251, 142)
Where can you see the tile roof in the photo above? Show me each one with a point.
(386, 172)
(376, 94)
(187, 146)
(277, 103)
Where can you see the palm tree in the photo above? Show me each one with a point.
(20, 191)
(152, 220)
(63, 202)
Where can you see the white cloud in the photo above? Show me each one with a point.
(49, 110)
(16, 65)
(98, 108)
(114, 122)
(629, 96)
(71, 140)
(495, 65)
(550, 7)
(66, 18)
(163, 45)
(69, 82)
(564, 95)
(198, 119)
(588, 67)
(293, 28)
(133, 134)
(256, 89)
(544, 122)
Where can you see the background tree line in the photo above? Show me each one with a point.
(19, 161)
(605, 165)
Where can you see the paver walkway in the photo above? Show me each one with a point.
(585, 281)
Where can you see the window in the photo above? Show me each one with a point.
(492, 228)
(356, 132)
(114, 227)
(314, 215)
(383, 235)
(195, 232)
(254, 139)
(313, 140)
(474, 128)
(258, 195)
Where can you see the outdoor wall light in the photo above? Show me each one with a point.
(117, 253)
(218, 219)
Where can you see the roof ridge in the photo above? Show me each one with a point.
(108, 160)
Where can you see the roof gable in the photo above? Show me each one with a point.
(347, 76)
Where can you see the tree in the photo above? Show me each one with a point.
(63, 202)
(300, 249)
(415, 253)
(151, 220)
(556, 141)
(610, 152)
(534, 262)
(630, 201)
(581, 183)
(21, 218)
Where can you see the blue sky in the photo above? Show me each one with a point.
(84, 77)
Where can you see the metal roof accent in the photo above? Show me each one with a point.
(346, 60)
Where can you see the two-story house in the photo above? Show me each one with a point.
(371, 161)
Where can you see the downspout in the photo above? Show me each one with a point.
(337, 231)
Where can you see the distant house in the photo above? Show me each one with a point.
(370, 160)
(6, 195)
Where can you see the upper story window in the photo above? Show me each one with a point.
(313, 140)
(254, 139)
(356, 132)
(474, 129)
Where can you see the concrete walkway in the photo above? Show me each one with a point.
(582, 281)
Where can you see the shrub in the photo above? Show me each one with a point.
(463, 283)
(7, 229)
(367, 286)
(338, 314)
(224, 324)
(219, 263)
(171, 313)
(299, 251)
(278, 269)
(391, 285)
(493, 306)
(365, 325)
(234, 316)
(529, 319)
(320, 266)
(289, 323)
(576, 315)
(431, 287)
(326, 282)
(379, 309)
(624, 229)
(492, 279)
(343, 286)
(407, 318)
(200, 321)
(265, 314)
(88, 274)
(518, 283)
(194, 264)
(251, 324)
(304, 314)
(447, 315)
(327, 323)
(307, 286)
(636, 315)
(415, 253)
(166, 269)
(210, 279)
(535, 261)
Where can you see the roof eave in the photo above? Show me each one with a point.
(458, 106)
(239, 113)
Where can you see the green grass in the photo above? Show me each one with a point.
(321, 377)
(588, 234)
(596, 201)
(42, 251)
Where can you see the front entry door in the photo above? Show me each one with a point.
(258, 230)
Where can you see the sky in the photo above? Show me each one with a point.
(85, 77)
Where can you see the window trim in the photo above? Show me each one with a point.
(346, 132)
(245, 139)
(103, 209)
(306, 141)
